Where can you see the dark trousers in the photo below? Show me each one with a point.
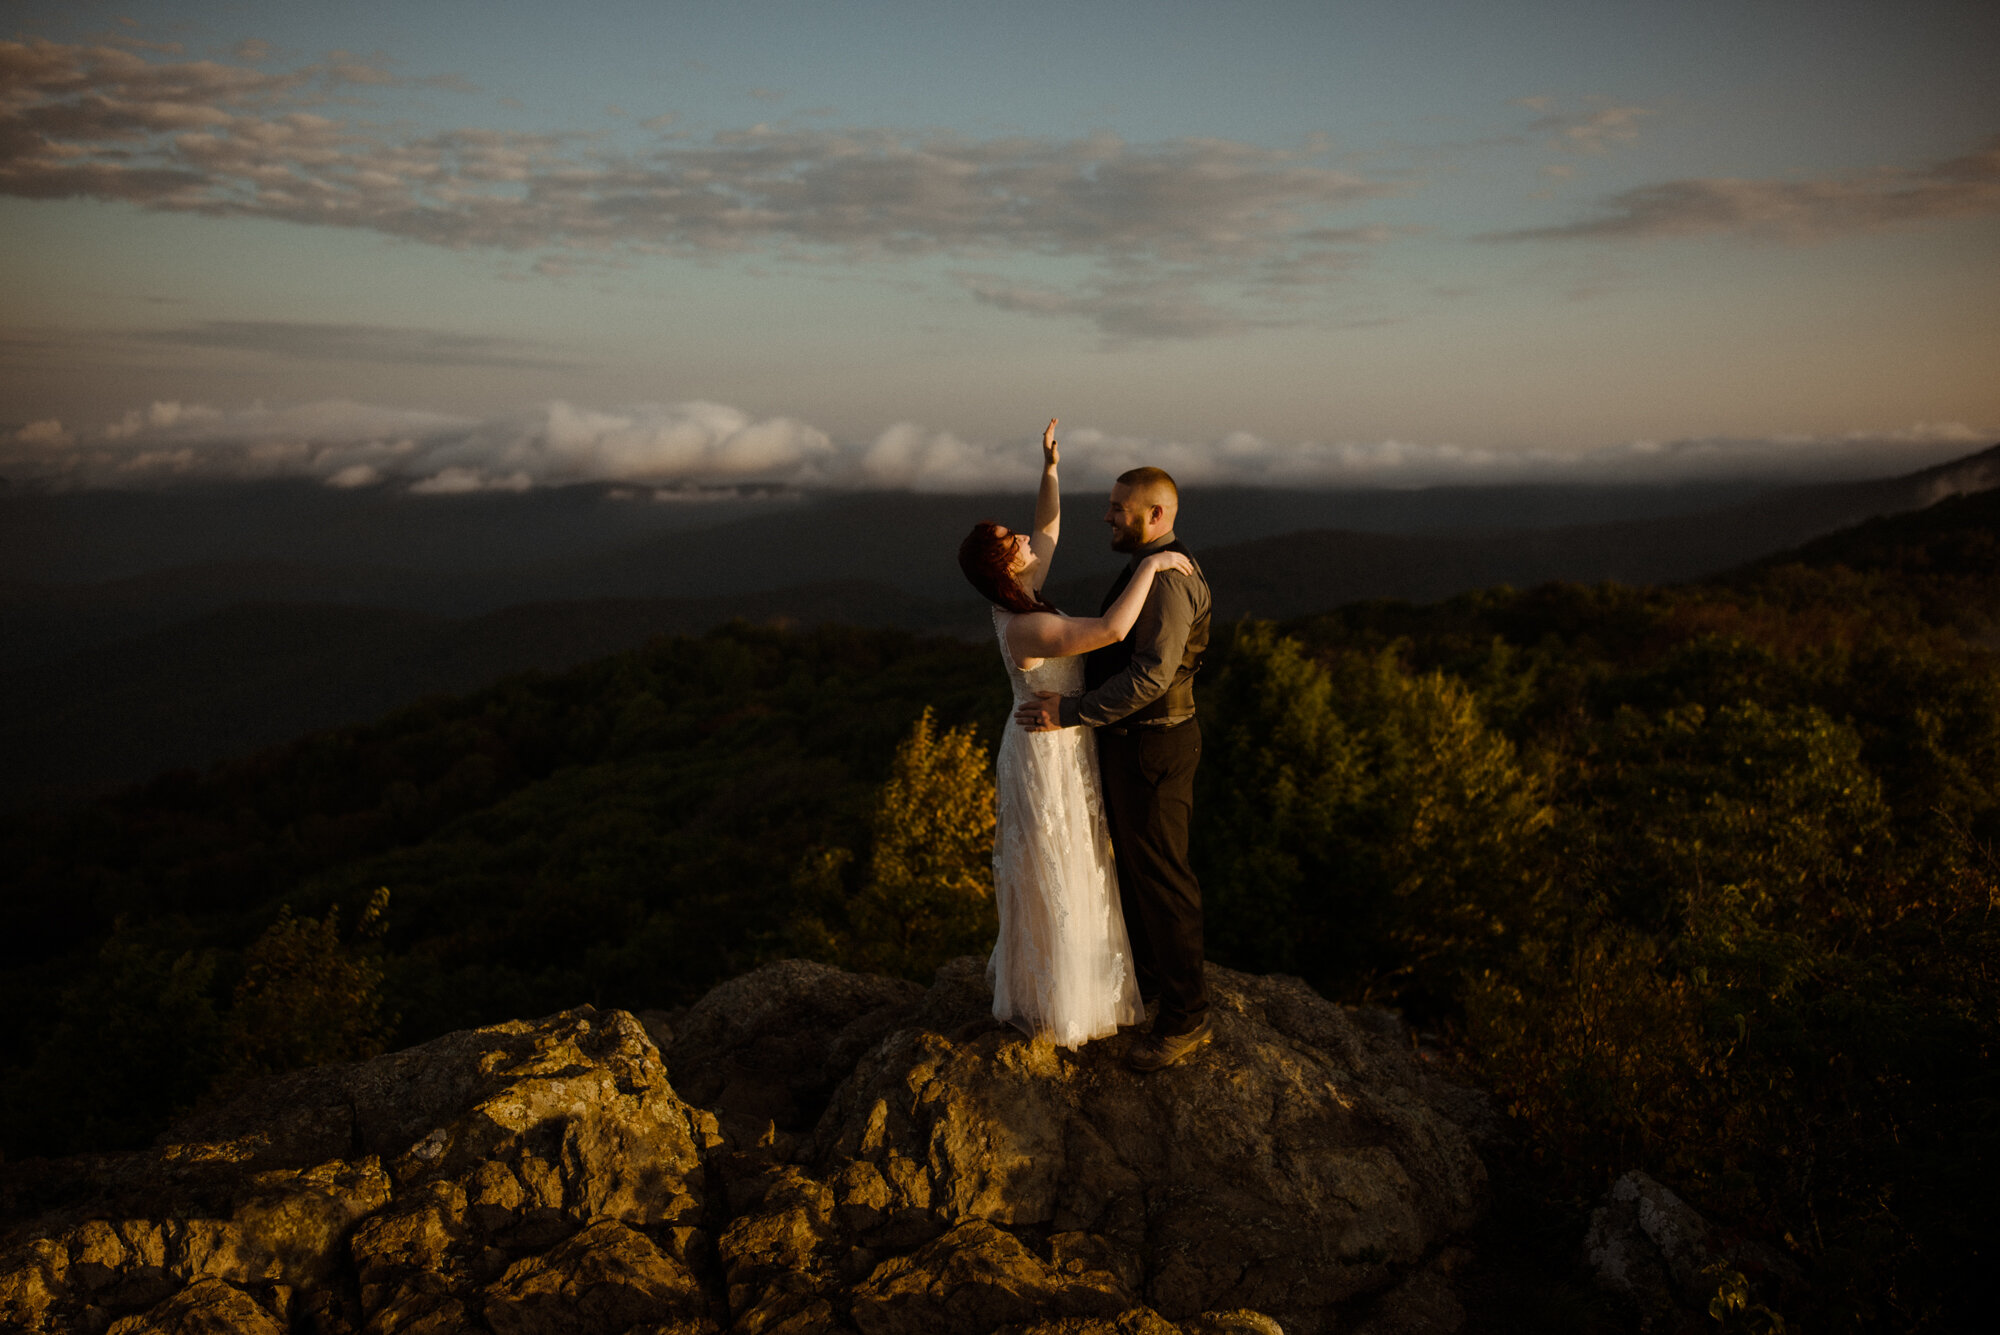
(1148, 776)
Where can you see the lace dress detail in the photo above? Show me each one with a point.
(1062, 966)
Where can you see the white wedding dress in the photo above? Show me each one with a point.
(1062, 966)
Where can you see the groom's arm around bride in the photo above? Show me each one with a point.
(1139, 698)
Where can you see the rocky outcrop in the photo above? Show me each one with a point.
(803, 1150)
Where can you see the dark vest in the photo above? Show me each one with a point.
(1101, 665)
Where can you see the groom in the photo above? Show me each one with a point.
(1139, 696)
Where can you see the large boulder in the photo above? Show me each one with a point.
(816, 1151)
(1300, 1159)
(387, 1193)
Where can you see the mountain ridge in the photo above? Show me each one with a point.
(236, 675)
(1443, 541)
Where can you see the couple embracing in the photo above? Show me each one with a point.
(1100, 912)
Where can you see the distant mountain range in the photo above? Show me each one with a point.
(111, 680)
(1299, 573)
(91, 568)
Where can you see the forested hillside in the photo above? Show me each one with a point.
(1699, 880)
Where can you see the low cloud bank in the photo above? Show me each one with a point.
(679, 449)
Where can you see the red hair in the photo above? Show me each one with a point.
(985, 556)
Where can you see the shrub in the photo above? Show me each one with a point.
(1600, 1048)
(306, 998)
(928, 892)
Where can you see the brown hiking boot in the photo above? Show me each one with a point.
(1156, 1052)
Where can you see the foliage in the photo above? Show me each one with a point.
(928, 893)
(1732, 1305)
(622, 834)
(1281, 770)
(1759, 962)
(136, 1039)
(1697, 880)
(1600, 1046)
(305, 998)
(1365, 828)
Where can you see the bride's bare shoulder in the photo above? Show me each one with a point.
(1023, 631)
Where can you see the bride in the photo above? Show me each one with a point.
(1062, 966)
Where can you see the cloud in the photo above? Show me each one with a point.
(1166, 308)
(1598, 129)
(380, 344)
(458, 480)
(46, 433)
(162, 417)
(1792, 210)
(347, 444)
(354, 475)
(1247, 459)
(699, 447)
(234, 140)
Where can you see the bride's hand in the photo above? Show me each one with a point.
(1164, 563)
(1051, 455)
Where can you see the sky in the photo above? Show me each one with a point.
(453, 246)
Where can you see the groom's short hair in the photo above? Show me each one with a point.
(1149, 478)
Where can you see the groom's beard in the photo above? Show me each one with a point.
(1125, 540)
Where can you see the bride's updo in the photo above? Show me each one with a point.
(985, 556)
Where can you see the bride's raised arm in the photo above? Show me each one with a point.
(1052, 635)
(1048, 511)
